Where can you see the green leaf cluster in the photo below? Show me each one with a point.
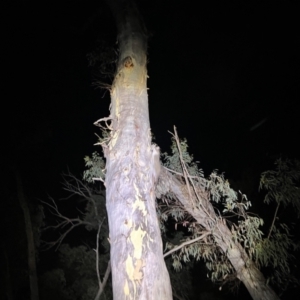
(272, 251)
(174, 162)
(95, 168)
(283, 184)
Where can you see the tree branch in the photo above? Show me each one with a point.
(273, 222)
(187, 243)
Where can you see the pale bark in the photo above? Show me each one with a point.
(137, 263)
(33, 281)
(204, 214)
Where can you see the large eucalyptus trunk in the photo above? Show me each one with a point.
(138, 267)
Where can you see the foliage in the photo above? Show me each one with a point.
(181, 281)
(95, 168)
(273, 251)
(283, 188)
(174, 162)
(221, 192)
(170, 208)
(76, 278)
(53, 285)
(283, 184)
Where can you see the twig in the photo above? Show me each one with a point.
(187, 176)
(104, 281)
(273, 222)
(180, 174)
(97, 255)
(183, 165)
(65, 221)
(79, 188)
(187, 243)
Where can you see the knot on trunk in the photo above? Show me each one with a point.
(127, 62)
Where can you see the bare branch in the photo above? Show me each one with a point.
(73, 222)
(97, 254)
(188, 179)
(187, 243)
(104, 281)
(79, 188)
(273, 222)
(185, 172)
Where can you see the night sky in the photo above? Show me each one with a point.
(226, 73)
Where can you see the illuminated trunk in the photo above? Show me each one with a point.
(138, 267)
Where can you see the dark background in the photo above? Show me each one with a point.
(226, 73)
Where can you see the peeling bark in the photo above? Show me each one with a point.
(138, 267)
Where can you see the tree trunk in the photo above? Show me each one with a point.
(245, 269)
(7, 275)
(34, 291)
(138, 267)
